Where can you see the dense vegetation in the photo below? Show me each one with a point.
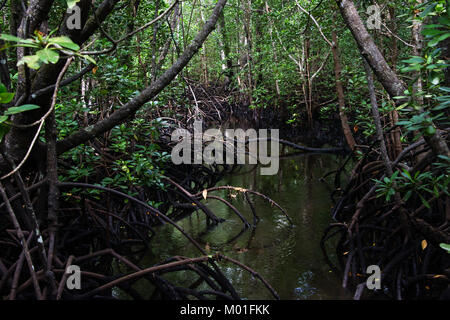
(89, 102)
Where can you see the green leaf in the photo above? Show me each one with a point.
(435, 79)
(8, 37)
(31, 61)
(442, 106)
(2, 88)
(445, 247)
(3, 118)
(71, 3)
(427, 10)
(25, 107)
(88, 58)
(435, 41)
(48, 55)
(64, 42)
(407, 195)
(444, 20)
(443, 98)
(430, 130)
(444, 157)
(412, 68)
(432, 32)
(404, 123)
(6, 97)
(424, 202)
(414, 59)
(406, 174)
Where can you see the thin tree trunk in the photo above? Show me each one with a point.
(396, 133)
(84, 90)
(274, 49)
(172, 25)
(204, 57)
(227, 63)
(308, 89)
(416, 32)
(248, 44)
(340, 93)
(377, 120)
(154, 42)
(380, 137)
(394, 50)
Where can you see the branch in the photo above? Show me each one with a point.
(23, 241)
(321, 67)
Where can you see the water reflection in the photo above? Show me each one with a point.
(288, 257)
(305, 290)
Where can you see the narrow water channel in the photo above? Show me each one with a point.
(289, 258)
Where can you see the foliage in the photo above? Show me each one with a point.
(431, 68)
(422, 116)
(139, 160)
(7, 97)
(446, 247)
(419, 184)
(48, 48)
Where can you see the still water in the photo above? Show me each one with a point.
(288, 257)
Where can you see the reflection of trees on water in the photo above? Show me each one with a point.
(279, 253)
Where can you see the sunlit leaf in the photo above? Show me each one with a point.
(64, 42)
(88, 58)
(31, 61)
(6, 97)
(48, 55)
(72, 3)
(8, 37)
(23, 108)
(445, 246)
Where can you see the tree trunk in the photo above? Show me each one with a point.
(154, 42)
(396, 133)
(274, 49)
(387, 77)
(369, 50)
(204, 57)
(227, 63)
(340, 93)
